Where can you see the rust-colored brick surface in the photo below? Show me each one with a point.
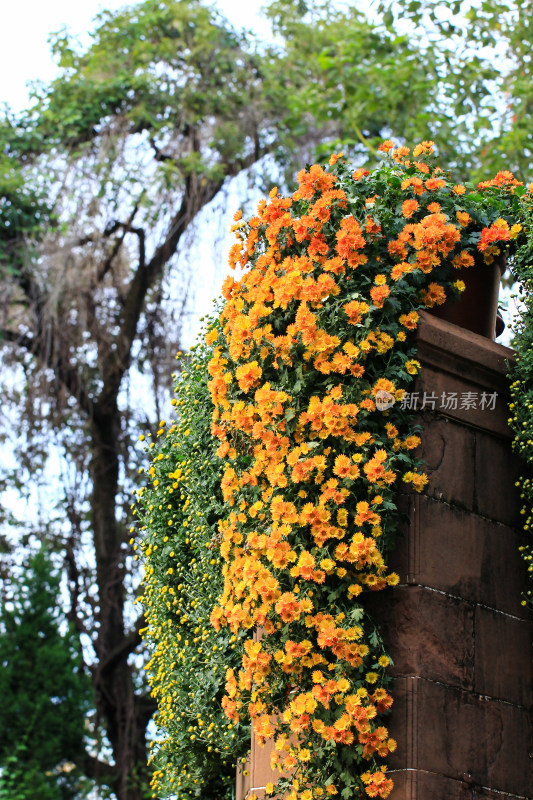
(454, 550)
(502, 643)
(460, 639)
(410, 784)
(428, 633)
(462, 736)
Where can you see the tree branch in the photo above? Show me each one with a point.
(67, 375)
(100, 772)
(145, 708)
(20, 339)
(126, 646)
(125, 227)
(196, 195)
(159, 155)
(73, 582)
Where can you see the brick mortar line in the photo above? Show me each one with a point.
(472, 603)
(478, 695)
(461, 507)
(505, 794)
(458, 780)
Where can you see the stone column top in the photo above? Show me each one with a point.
(457, 361)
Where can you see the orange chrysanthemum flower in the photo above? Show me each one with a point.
(410, 320)
(499, 231)
(360, 173)
(409, 207)
(434, 295)
(463, 259)
(313, 182)
(355, 310)
(379, 294)
(463, 218)
(248, 375)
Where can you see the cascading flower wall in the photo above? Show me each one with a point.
(271, 502)
(313, 353)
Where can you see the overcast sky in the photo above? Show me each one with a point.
(27, 24)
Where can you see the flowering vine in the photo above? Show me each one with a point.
(521, 378)
(271, 502)
(178, 509)
(312, 355)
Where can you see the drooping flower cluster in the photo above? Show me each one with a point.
(312, 356)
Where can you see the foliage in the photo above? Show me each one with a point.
(481, 57)
(46, 695)
(23, 214)
(179, 509)
(350, 77)
(314, 352)
(521, 377)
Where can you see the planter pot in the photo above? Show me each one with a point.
(477, 308)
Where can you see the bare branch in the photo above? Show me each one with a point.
(66, 373)
(20, 339)
(196, 196)
(159, 155)
(109, 231)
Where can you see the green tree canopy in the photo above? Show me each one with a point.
(45, 691)
(481, 53)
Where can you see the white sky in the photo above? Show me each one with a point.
(26, 25)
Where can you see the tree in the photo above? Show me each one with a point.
(166, 87)
(481, 57)
(45, 690)
(103, 176)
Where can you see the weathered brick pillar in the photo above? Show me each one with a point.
(455, 627)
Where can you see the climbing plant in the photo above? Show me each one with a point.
(309, 362)
(315, 350)
(179, 508)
